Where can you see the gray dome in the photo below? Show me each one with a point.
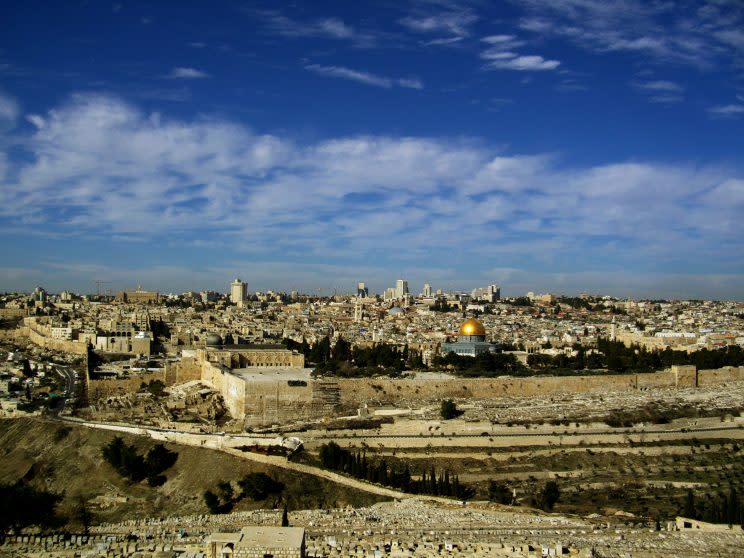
(214, 340)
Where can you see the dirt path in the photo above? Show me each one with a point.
(217, 442)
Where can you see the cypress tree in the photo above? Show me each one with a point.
(690, 505)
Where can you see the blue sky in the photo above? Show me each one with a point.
(550, 146)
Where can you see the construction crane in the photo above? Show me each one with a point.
(98, 286)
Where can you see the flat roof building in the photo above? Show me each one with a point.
(258, 542)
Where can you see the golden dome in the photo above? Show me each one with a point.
(472, 327)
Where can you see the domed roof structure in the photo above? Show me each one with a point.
(214, 340)
(472, 327)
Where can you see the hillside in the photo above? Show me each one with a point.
(63, 458)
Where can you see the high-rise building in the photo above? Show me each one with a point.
(362, 290)
(401, 288)
(40, 295)
(491, 293)
(427, 290)
(238, 292)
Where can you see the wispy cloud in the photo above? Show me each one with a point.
(103, 167)
(411, 83)
(36, 120)
(660, 31)
(661, 91)
(502, 55)
(503, 42)
(507, 60)
(446, 41)
(660, 85)
(727, 111)
(456, 23)
(323, 28)
(364, 77)
(187, 73)
(9, 111)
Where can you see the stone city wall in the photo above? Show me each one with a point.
(356, 392)
(29, 330)
(269, 402)
(186, 370)
(101, 389)
(720, 375)
(10, 313)
(232, 388)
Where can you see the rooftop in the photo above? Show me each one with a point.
(272, 373)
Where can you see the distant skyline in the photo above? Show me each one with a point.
(558, 146)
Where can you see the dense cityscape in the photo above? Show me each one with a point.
(366, 385)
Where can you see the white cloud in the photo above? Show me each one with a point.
(364, 77)
(9, 111)
(503, 42)
(660, 85)
(411, 83)
(187, 73)
(324, 28)
(353, 75)
(456, 23)
(511, 61)
(36, 120)
(443, 41)
(726, 111)
(502, 55)
(661, 91)
(660, 31)
(334, 27)
(102, 167)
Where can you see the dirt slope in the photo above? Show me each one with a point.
(68, 459)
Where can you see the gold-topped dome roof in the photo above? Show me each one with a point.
(472, 327)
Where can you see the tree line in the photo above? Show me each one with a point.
(616, 358)
(484, 365)
(341, 359)
(610, 356)
(723, 508)
(356, 464)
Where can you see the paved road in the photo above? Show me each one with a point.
(70, 377)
